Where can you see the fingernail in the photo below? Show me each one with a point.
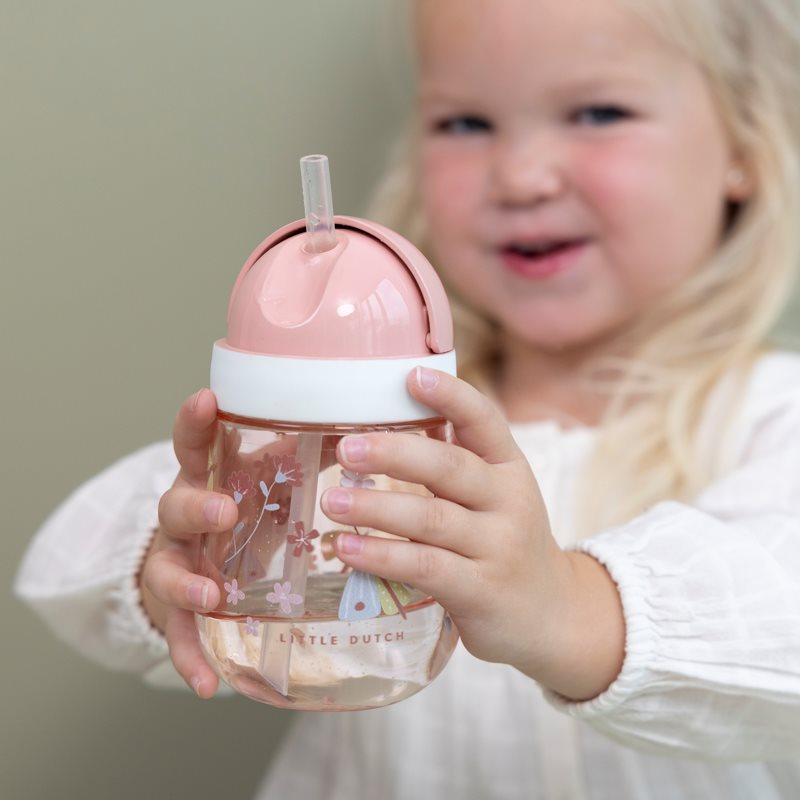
(337, 500)
(426, 378)
(355, 448)
(213, 510)
(195, 399)
(198, 594)
(349, 543)
(196, 684)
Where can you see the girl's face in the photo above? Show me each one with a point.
(574, 166)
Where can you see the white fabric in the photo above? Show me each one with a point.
(708, 701)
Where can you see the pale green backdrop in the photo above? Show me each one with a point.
(146, 149)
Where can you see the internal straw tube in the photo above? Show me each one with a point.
(316, 178)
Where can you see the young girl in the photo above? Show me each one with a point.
(610, 189)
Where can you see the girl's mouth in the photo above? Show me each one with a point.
(543, 259)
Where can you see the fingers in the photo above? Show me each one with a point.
(187, 655)
(168, 576)
(426, 519)
(451, 578)
(478, 423)
(449, 471)
(192, 435)
(183, 511)
(187, 509)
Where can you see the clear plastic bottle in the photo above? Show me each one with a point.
(327, 318)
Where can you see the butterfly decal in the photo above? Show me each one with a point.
(394, 596)
(365, 597)
(360, 598)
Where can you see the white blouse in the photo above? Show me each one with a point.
(708, 701)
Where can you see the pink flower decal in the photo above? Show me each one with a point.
(241, 484)
(235, 594)
(355, 480)
(288, 470)
(300, 539)
(251, 627)
(283, 597)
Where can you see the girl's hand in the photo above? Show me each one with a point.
(171, 591)
(482, 545)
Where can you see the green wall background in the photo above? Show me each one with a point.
(146, 150)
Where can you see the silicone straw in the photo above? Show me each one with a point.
(316, 177)
(302, 507)
(276, 651)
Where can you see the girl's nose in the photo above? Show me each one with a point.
(526, 173)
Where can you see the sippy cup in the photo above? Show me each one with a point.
(327, 318)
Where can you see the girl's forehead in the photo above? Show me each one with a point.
(527, 29)
(515, 35)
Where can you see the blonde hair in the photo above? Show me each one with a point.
(711, 328)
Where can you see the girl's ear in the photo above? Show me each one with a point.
(738, 182)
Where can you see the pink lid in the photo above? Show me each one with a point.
(374, 295)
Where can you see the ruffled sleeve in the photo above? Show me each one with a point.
(711, 598)
(79, 573)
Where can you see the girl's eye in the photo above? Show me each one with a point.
(600, 115)
(463, 125)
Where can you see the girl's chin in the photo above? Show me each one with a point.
(572, 319)
(562, 339)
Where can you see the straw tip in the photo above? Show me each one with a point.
(318, 202)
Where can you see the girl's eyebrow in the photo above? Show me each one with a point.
(599, 81)
(443, 96)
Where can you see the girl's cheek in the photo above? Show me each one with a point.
(607, 180)
(450, 190)
(623, 178)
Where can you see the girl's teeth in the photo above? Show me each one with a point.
(536, 250)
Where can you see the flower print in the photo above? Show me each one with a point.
(251, 626)
(267, 506)
(283, 597)
(355, 480)
(300, 539)
(241, 484)
(288, 470)
(235, 594)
